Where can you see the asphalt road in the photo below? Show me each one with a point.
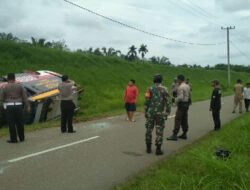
(102, 153)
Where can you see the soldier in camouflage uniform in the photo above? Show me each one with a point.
(157, 108)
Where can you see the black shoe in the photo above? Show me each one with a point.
(10, 141)
(158, 151)
(149, 150)
(172, 138)
(22, 140)
(71, 131)
(183, 136)
(217, 128)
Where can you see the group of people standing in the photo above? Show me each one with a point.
(240, 93)
(158, 104)
(158, 107)
(13, 98)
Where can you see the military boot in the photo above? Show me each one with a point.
(173, 138)
(149, 150)
(158, 150)
(183, 136)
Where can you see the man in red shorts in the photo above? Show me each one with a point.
(130, 99)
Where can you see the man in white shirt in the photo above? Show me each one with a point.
(246, 93)
(67, 105)
(182, 101)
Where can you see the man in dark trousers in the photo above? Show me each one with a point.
(182, 102)
(67, 105)
(215, 104)
(14, 100)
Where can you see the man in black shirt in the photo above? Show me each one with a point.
(215, 104)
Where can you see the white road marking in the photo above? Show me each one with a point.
(172, 116)
(50, 150)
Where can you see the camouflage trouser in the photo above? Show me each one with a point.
(159, 122)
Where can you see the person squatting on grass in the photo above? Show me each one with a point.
(157, 109)
(238, 96)
(14, 100)
(246, 93)
(182, 102)
(67, 105)
(215, 104)
(130, 99)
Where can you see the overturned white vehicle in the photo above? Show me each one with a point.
(43, 94)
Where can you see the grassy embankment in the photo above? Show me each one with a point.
(196, 167)
(103, 78)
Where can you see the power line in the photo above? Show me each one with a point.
(138, 29)
(188, 8)
(242, 36)
(239, 50)
(202, 10)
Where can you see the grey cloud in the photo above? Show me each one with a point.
(224, 56)
(82, 21)
(174, 45)
(234, 5)
(52, 3)
(11, 13)
(57, 20)
(119, 42)
(26, 31)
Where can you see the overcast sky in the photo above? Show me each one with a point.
(188, 20)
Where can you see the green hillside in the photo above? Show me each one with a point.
(103, 78)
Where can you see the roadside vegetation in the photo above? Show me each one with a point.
(197, 167)
(105, 77)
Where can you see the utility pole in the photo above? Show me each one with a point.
(228, 52)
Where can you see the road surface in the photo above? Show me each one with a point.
(102, 154)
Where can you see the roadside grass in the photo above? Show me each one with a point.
(196, 166)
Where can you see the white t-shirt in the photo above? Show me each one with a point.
(246, 92)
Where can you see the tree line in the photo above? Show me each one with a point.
(41, 42)
(133, 54)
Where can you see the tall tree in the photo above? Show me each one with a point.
(97, 51)
(58, 45)
(9, 36)
(110, 51)
(118, 53)
(165, 61)
(154, 59)
(41, 42)
(90, 50)
(132, 54)
(143, 50)
(104, 51)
